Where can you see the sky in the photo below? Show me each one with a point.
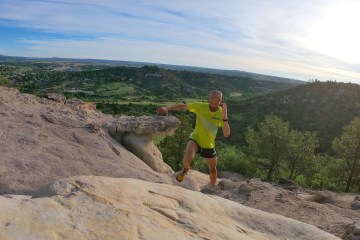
(304, 40)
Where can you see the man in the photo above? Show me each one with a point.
(209, 117)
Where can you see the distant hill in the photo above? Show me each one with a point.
(131, 84)
(167, 83)
(235, 73)
(320, 107)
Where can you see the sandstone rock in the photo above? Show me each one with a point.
(355, 204)
(42, 141)
(287, 184)
(143, 147)
(211, 189)
(56, 97)
(244, 191)
(352, 237)
(225, 184)
(353, 232)
(108, 208)
(78, 103)
(136, 134)
(146, 125)
(194, 180)
(321, 197)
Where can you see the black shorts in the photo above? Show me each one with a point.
(205, 152)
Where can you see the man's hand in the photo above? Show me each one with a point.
(163, 111)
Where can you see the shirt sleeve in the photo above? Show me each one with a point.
(193, 107)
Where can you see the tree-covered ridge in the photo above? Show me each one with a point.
(146, 81)
(323, 108)
(128, 90)
(180, 84)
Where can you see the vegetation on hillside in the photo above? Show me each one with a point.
(322, 108)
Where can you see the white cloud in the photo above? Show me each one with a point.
(266, 36)
(130, 50)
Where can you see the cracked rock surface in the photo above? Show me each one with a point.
(91, 207)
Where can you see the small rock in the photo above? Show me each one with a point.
(225, 184)
(355, 204)
(321, 197)
(56, 97)
(352, 232)
(287, 184)
(211, 190)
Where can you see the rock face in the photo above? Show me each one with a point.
(353, 232)
(42, 140)
(136, 134)
(144, 148)
(328, 211)
(104, 208)
(145, 125)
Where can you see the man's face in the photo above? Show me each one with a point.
(214, 102)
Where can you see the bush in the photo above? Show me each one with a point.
(232, 159)
(4, 81)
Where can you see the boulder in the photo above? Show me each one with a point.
(352, 232)
(43, 141)
(355, 204)
(144, 148)
(136, 134)
(287, 184)
(93, 207)
(194, 180)
(56, 97)
(321, 197)
(145, 125)
(226, 184)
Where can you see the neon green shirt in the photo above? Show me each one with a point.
(207, 124)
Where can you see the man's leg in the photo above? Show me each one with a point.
(190, 151)
(212, 169)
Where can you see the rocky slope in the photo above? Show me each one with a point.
(332, 212)
(111, 208)
(43, 142)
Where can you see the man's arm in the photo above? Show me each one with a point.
(164, 110)
(226, 126)
(226, 129)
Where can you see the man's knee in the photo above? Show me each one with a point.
(213, 169)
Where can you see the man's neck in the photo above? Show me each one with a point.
(213, 109)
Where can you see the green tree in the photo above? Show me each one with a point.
(268, 144)
(300, 153)
(347, 148)
(4, 81)
(232, 159)
(172, 147)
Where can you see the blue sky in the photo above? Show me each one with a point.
(303, 40)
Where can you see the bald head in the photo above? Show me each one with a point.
(215, 100)
(215, 94)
